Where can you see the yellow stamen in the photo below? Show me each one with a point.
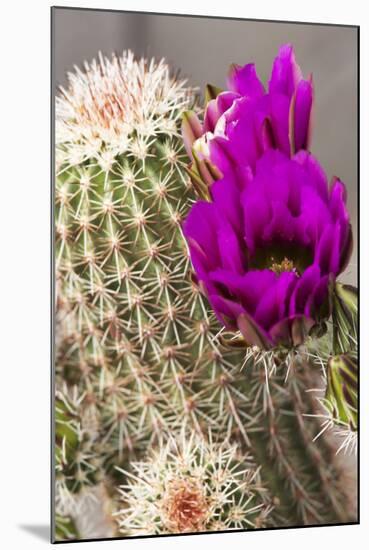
(285, 265)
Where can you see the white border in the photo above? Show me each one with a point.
(24, 271)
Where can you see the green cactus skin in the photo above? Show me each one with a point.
(344, 316)
(65, 528)
(341, 397)
(139, 356)
(341, 391)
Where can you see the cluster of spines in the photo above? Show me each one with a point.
(191, 484)
(103, 113)
(337, 357)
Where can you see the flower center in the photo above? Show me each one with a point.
(185, 507)
(285, 265)
(282, 258)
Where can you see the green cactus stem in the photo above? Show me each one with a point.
(344, 316)
(342, 392)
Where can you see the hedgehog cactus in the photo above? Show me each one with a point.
(139, 356)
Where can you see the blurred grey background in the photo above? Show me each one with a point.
(203, 48)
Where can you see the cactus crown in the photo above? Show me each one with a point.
(116, 106)
(191, 485)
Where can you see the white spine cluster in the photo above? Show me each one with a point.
(191, 485)
(117, 106)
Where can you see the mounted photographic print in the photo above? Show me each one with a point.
(205, 197)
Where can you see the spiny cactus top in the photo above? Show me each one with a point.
(117, 106)
(189, 485)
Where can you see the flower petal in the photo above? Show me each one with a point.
(318, 303)
(232, 257)
(300, 329)
(272, 306)
(244, 80)
(346, 250)
(200, 227)
(280, 227)
(191, 130)
(302, 114)
(216, 108)
(227, 310)
(291, 331)
(313, 174)
(337, 200)
(248, 289)
(226, 195)
(327, 254)
(256, 212)
(253, 333)
(303, 290)
(285, 72)
(279, 114)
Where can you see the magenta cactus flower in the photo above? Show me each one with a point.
(269, 244)
(240, 124)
